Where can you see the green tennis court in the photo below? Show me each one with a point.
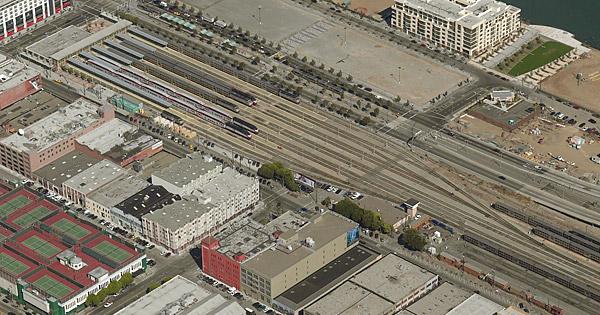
(41, 246)
(111, 251)
(52, 287)
(32, 216)
(12, 265)
(70, 228)
(12, 205)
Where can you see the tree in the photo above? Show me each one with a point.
(92, 300)
(386, 228)
(312, 62)
(326, 202)
(126, 280)
(113, 287)
(375, 112)
(365, 121)
(304, 59)
(349, 78)
(412, 240)
(339, 74)
(266, 171)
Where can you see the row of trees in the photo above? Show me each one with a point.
(278, 171)
(155, 285)
(113, 287)
(412, 239)
(366, 218)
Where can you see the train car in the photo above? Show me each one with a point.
(236, 129)
(242, 97)
(291, 96)
(227, 105)
(171, 117)
(244, 124)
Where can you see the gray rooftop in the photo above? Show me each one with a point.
(393, 278)
(470, 15)
(223, 186)
(13, 73)
(62, 45)
(66, 167)
(187, 169)
(322, 229)
(179, 213)
(95, 177)
(246, 237)
(476, 304)
(54, 128)
(98, 272)
(183, 297)
(107, 136)
(350, 299)
(121, 189)
(440, 301)
(58, 41)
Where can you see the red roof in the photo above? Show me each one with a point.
(45, 272)
(102, 237)
(28, 208)
(31, 253)
(80, 276)
(62, 215)
(19, 258)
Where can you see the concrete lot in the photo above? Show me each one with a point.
(280, 19)
(564, 83)
(361, 55)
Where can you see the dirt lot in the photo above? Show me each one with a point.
(564, 84)
(369, 6)
(555, 143)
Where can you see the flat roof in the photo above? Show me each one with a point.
(118, 191)
(107, 136)
(440, 301)
(476, 304)
(393, 278)
(95, 177)
(350, 299)
(327, 277)
(13, 73)
(62, 45)
(322, 229)
(58, 41)
(66, 167)
(54, 128)
(476, 12)
(180, 295)
(246, 237)
(179, 213)
(187, 169)
(134, 143)
(148, 199)
(223, 186)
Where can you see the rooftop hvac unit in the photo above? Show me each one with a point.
(309, 242)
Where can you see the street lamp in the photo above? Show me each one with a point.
(259, 18)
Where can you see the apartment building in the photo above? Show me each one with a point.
(17, 15)
(52, 137)
(467, 27)
(188, 174)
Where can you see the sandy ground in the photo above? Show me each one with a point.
(555, 143)
(564, 84)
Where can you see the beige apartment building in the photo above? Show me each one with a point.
(467, 27)
(298, 254)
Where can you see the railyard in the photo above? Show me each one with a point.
(393, 160)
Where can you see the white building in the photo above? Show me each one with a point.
(17, 15)
(184, 223)
(468, 27)
(188, 174)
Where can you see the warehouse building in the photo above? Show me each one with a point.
(298, 254)
(101, 201)
(19, 15)
(440, 301)
(392, 282)
(182, 296)
(188, 174)
(120, 142)
(77, 188)
(17, 81)
(52, 261)
(128, 213)
(53, 175)
(52, 137)
(54, 50)
(467, 27)
(476, 304)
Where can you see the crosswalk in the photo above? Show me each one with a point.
(306, 34)
(595, 76)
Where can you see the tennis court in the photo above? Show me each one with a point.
(14, 204)
(41, 246)
(70, 228)
(32, 216)
(52, 287)
(112, 251)
(11, 264)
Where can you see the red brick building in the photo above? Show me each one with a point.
(17, 81)
(220, 266)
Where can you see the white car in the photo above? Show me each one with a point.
(331, 189)
(108, 304)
